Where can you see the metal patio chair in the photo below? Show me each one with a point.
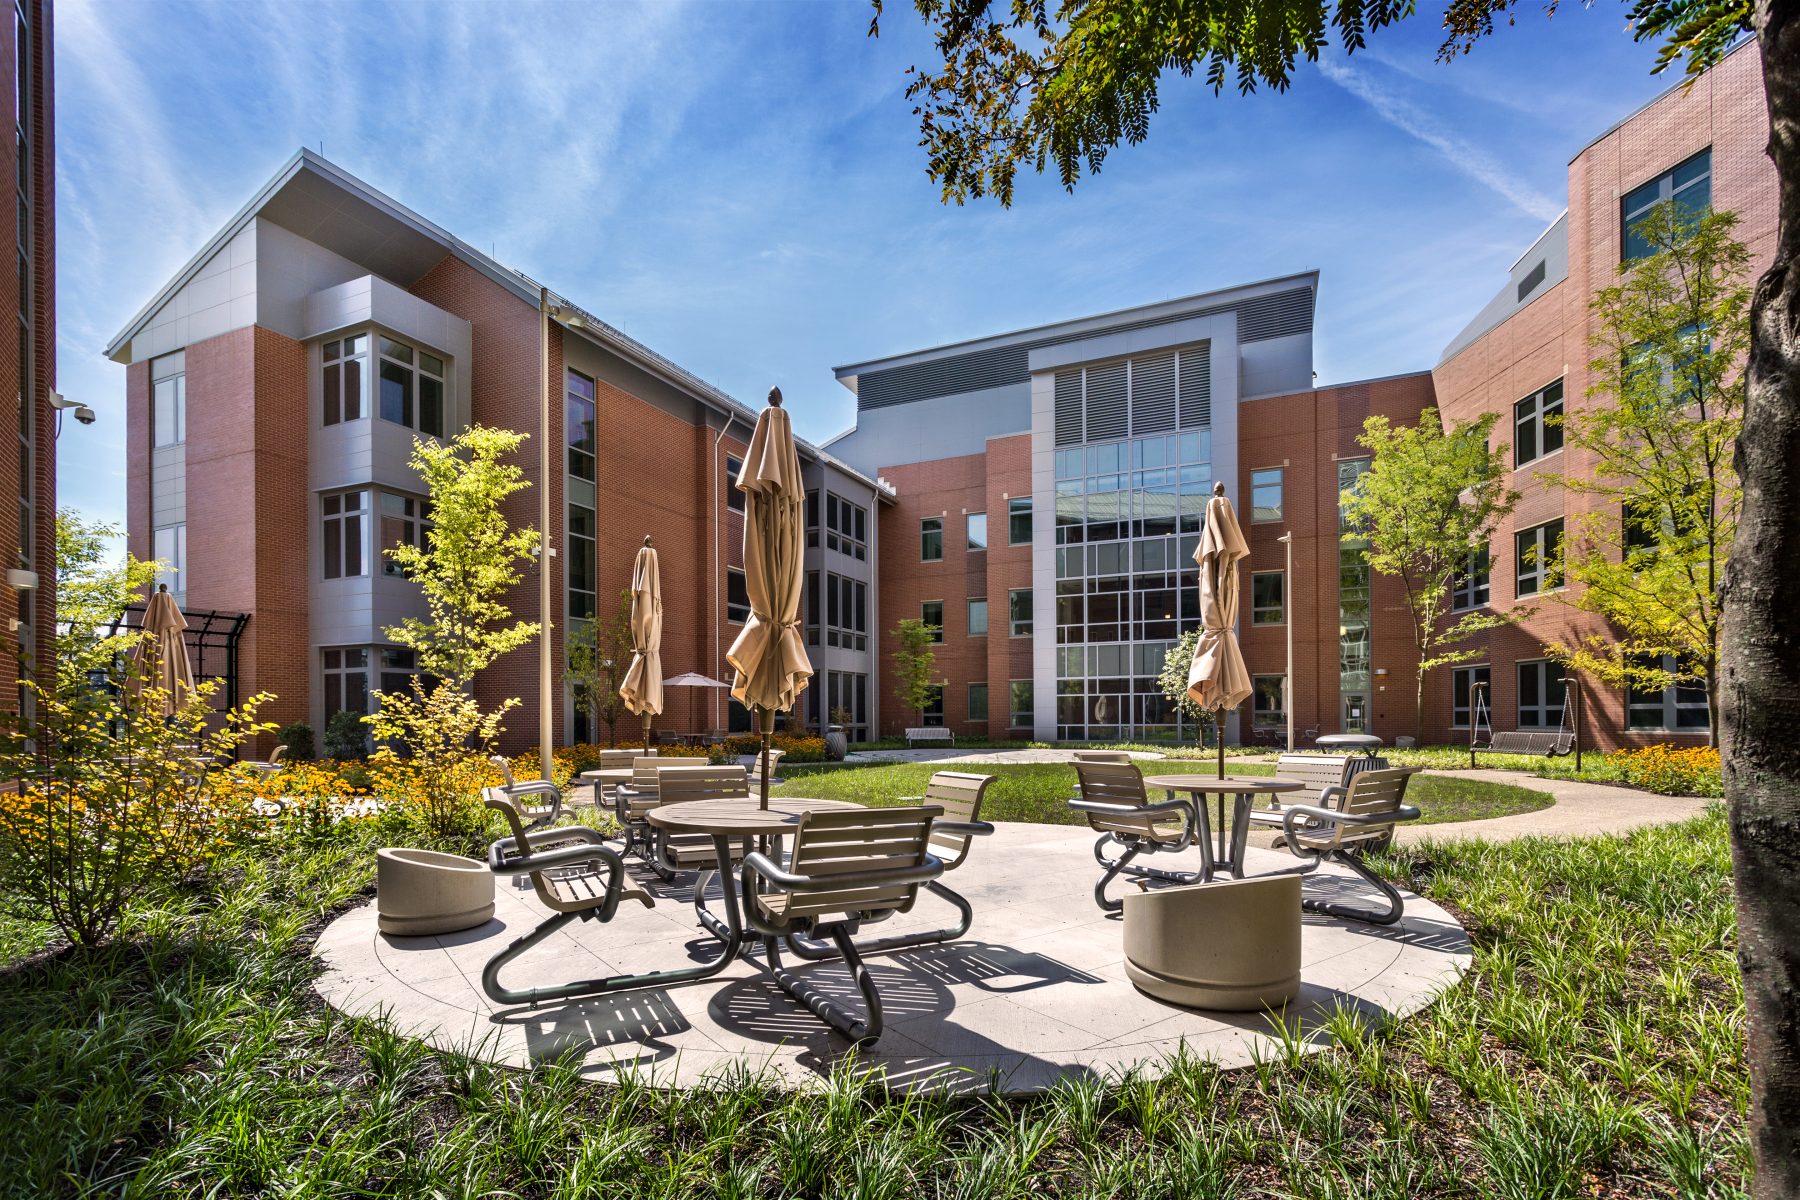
(848, 867)
(953, 835)
(1119, 810)
(539, 800)
(1364, 816)
(632, 802)
(575, 874)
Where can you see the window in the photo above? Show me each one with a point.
(849, 692)
(978, 703)
(1018, 612)
(933, 712)
(1268, 597)
(580, 575)
(932, 613)
(1018, 521)
(1540, 695)
(846, 615)
(398, 666)
(978, 531)
(1689, 185)
(1469, 587)
(1265, 493)
(412, 387)
(168, 424)
(737, 596)
(1535, 433)
(978, 620)
(404, 521)
(346, 680)
(346, 366)
(846, 527)
(1463, 681)
(931, 539)
(812, 518)
(1679, 706)
(1532, 278)
(579, 415)
(810, 614)
(1641, 532)
(1021, 704)
(1268, 708)
(1539, 566)
(345, 515)
(169, 546)
(734, 497)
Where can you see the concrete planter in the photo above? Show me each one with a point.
(422, 892)
(837, 743)
(1233, 946)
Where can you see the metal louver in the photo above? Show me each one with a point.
(1068, 407)
(1196, 387)
(1153, 394)
(1108, 409)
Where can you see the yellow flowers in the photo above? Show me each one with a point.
(1671, 770)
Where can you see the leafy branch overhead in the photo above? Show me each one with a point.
(1017, 84)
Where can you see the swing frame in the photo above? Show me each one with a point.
(1566, 740)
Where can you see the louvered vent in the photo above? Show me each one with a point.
(1107, 410)
(1153, 394)
(1275, 316)
(1196, 387)
(1068, 407)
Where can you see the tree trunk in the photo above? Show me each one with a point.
(1419, 709)
(1760, 693)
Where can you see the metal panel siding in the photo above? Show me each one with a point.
(1196, 387)
(1259, 318)
(1153, 394)
(1068, 408)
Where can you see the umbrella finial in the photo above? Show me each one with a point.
(774, 397)
(646, 539)
(1219, 488)
(162, 587)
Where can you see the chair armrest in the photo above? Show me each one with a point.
(1134, 810)
(1331, 816)
(566, 856)
(759, 863)
(981, 828)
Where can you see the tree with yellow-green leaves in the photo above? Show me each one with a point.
(1648, 555)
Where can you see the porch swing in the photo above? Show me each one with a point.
(1548, 744)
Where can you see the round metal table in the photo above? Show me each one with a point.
(1242, 790)
(1368, 743)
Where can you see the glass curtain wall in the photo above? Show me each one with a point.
(1353, 613)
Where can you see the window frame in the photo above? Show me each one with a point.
(1544, 567)
(175, 576)
(1014, 626)
(931, 527)
(1015, 718)
(1264, 718)
(969, 523)
(736, 613)
(969, 709)
(1473, 587)
(1664, 184)
(736, 499)
(342, 671)
(336, 356)
(412, 362)
(1257, 484)
(1541, 406)
(418, 521)
(1669, 705)
(925, 607)
(1466, 706)
(1549, 677)
(585, 451)
(1258, 610)
(334, 515)
(1017, 507)
(177, 411)
(970, 616)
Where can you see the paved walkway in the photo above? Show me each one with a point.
(1036, 993)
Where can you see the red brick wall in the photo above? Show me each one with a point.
(1549, 340)
(1008, 567)
(1307, 433)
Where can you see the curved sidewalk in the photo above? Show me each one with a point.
(1580, 810)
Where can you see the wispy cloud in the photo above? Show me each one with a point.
(1461, 154)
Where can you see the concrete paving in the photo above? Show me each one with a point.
(1036, 993)
(1580, 810)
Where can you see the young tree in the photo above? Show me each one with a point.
(1423, 513)
(599, 655)
(92, 590)
(915, 655)
(470, 560)
(1173, 683)
(1670, 399)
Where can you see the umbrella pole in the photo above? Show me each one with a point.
(1219, 738)
(646, 733)
(766, 714)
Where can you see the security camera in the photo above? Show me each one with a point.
(85, 415)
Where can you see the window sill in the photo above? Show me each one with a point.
(1532, 462)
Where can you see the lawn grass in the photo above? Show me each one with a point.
(1040, 791)
(1595, 1050)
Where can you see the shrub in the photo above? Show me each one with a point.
(797, 749)
(116, 802)
(1672, 771)
(447, 741)
(298, 738)
(346, 736)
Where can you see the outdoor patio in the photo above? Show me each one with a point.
(1035, 993)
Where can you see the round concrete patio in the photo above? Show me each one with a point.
(1035, 993)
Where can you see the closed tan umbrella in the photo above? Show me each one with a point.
(642, 690)
(1218, 680)
(769, 655)
(160, 659)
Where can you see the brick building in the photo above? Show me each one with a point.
(274, 389)
(28, 355)
(1526, 355)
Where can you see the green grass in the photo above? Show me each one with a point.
(1040, 791)
(1596, 1050)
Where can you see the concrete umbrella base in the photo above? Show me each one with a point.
(421, 892)
(1232, 946)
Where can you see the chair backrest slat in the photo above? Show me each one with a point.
(852, 843)
(677, 785)
(621, 759)
(1102, 756)
(959, 794)
(1115, 783)
(1373, 794)
(645, 771)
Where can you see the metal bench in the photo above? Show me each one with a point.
(929, 733)
(1548, 744)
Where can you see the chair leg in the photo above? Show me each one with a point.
(862, 1031)
(817, 950)
(1396, 905)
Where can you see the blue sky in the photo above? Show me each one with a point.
(739, 185)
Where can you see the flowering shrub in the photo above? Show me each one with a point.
(115, 802)
(1671, 770)
(797, 749)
